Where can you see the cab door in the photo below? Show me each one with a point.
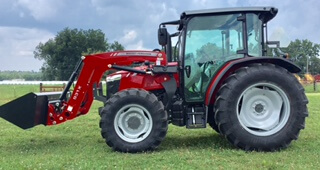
(210, 42)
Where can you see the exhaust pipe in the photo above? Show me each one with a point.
(29, 110)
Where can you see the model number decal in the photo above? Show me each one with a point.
(76, 94)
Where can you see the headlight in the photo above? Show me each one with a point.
(113, 78)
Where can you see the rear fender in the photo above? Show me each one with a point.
(231, 66)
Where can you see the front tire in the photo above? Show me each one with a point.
(133, 121)
(261, 107)
(212, 121)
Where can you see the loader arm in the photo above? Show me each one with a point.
(89, 71)
(94, 66)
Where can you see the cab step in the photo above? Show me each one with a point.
(197, 117)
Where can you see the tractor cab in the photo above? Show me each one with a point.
(208, 39)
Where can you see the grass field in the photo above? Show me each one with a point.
(77, 144)
(311, 88)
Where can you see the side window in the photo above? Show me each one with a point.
(236, 41)
(254, 32)
(210, 42)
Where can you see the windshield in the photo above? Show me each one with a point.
(211, 41)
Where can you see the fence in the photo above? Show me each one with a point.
(10, 82)
(311, 87)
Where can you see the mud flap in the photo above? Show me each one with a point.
(29, 110)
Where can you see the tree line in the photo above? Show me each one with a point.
(25, 75)
(305, 54)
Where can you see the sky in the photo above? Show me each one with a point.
(26, 23)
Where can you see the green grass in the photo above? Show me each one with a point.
(77, 144)
(311, 88)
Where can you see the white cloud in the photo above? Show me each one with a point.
(205, 4)
(17, 46)
(97, 5)
(21, 14)
(40, 9)
(200, 2)
(136, 46)
(279, 34)
(232, 2)
(129, 36)
(161, 12)
(130, 42)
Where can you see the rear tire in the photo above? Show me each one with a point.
(133, 121)
(261, 107)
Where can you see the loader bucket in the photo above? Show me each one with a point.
(29, 110)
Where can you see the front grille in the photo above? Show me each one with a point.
(112, 88)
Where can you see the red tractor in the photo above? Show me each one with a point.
(217, 73)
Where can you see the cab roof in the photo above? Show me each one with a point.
(266, 13)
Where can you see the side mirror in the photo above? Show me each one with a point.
(276, 45)
(162, 36)
(273, 44)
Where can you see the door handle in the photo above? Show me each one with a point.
(187, 70)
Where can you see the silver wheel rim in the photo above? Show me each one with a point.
(133, 123)
(263, 109)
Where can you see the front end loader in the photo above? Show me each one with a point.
(218, 73)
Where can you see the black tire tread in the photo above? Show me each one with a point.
(211, 120)
(159, 129)
(230, 130)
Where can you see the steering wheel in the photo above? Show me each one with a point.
(156, 49)
(204, 58)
